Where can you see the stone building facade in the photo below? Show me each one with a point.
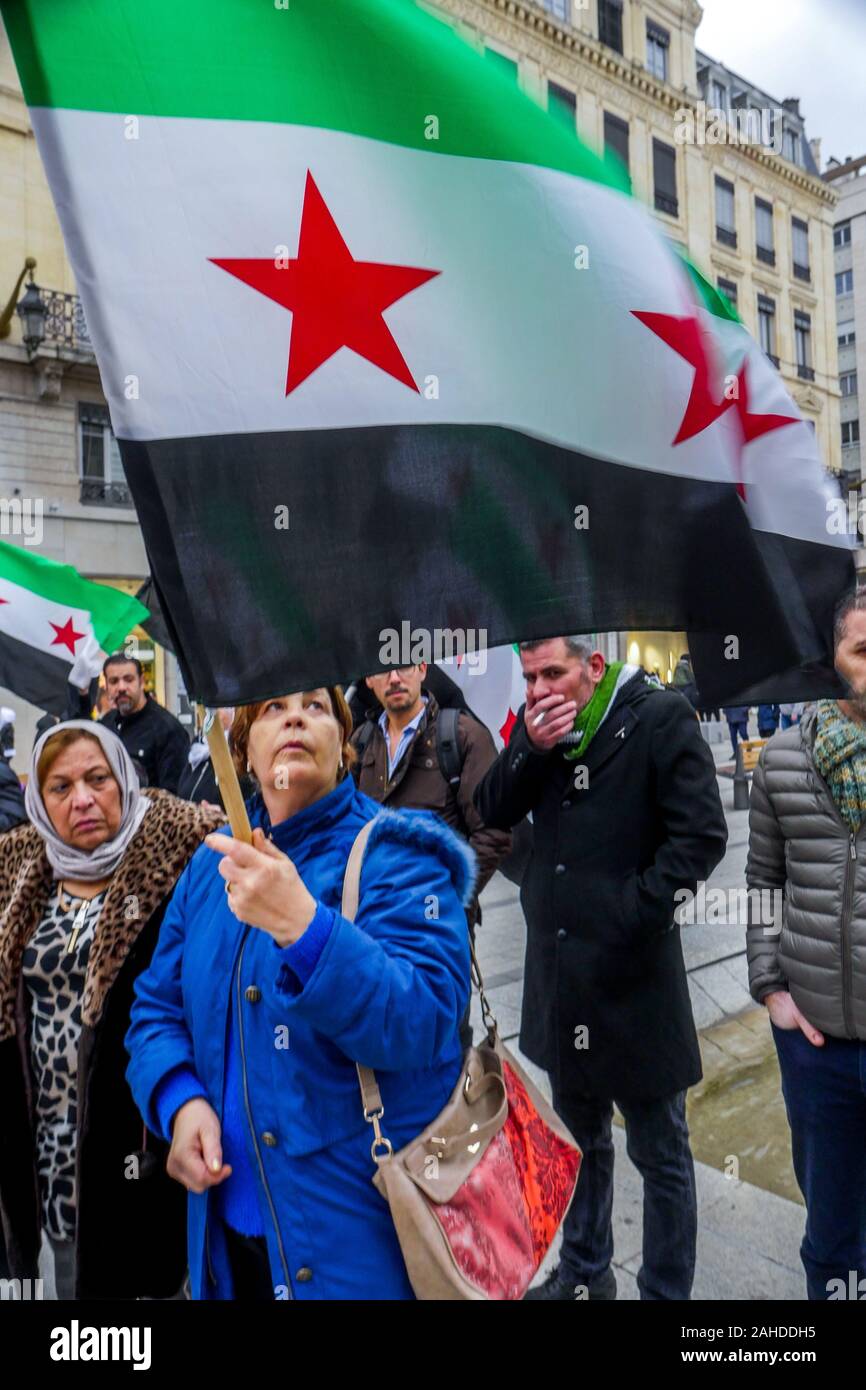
(849, 181)
(57, 451)
(751, 209)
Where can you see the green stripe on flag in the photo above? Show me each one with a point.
(713, 300)
(385, 69)
(112, 613)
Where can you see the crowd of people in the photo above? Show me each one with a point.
(181, 1013)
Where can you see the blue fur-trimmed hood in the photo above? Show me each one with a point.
(424, 831)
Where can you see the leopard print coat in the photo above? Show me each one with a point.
(130, 1235)
(169, 834)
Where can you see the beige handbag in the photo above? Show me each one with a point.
(478, 1196)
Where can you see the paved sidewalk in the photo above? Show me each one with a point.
(748, 1236)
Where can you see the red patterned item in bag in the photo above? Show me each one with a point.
(500, 1223)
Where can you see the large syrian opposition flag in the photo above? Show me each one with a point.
(384, 344)
(55, 626)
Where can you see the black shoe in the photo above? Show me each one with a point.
(557, 1289)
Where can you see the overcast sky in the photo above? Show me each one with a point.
(811, 49)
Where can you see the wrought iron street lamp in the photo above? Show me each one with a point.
(31, 310)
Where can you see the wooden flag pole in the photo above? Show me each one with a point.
(227, 778)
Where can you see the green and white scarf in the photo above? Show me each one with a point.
(840, 757)
(588, 720)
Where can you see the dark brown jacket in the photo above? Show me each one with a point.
(418, 783)
(131, 1217)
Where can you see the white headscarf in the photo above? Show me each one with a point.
(88, 865)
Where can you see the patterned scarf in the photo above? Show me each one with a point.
(840, 757)
(589, 718)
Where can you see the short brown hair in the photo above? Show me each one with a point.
(246, 716)
(57, 744)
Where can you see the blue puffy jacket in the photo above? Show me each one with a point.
(387, 990)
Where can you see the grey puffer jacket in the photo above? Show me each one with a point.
(798, 842)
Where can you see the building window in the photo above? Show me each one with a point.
(791, 146)
(726, 222)
(803, 344)
(562, 104)
(102, 476)
(767, 326)
(764, 243)
(610, 23)
(506, 66)
(560, 9)
(848, 383)
(719, 96)
(850, 432)
(842, 234)
(847, 336)
(729, 290)
(665, 178)
(658, 41)
(800, 240)
(845, 282)
(616, 136)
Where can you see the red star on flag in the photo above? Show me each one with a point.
(66, 636)
(508, 726)
(335, 300)
(687, 338)
(753, 426)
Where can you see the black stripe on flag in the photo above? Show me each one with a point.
(446, 527)
(34, 675)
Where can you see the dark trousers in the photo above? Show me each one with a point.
(657, 1142)
(250, 1266)
(741, 727)
(825, 1096)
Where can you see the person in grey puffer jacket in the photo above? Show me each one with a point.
(807, 843)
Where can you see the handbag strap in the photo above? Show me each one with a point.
(371, 1096)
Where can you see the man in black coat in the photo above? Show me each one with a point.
(12, 810)
(151, 736)
(626, 811)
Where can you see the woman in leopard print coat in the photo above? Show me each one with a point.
(83, 889)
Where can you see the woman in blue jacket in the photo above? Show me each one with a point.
(261, 997)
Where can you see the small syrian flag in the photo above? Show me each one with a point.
(385, 344)
(55, 626)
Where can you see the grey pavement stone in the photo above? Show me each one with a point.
(738, 967)
(705, 1010)
(707, 942)
(722, 988)
(743, 1210)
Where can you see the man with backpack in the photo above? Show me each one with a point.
(412, 754)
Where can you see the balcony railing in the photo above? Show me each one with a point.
(765, 254)
(65, 325)
(726, 237)
(805, 373)
(95, 491)
(664, 203)
(771, 357)
(802, 272)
